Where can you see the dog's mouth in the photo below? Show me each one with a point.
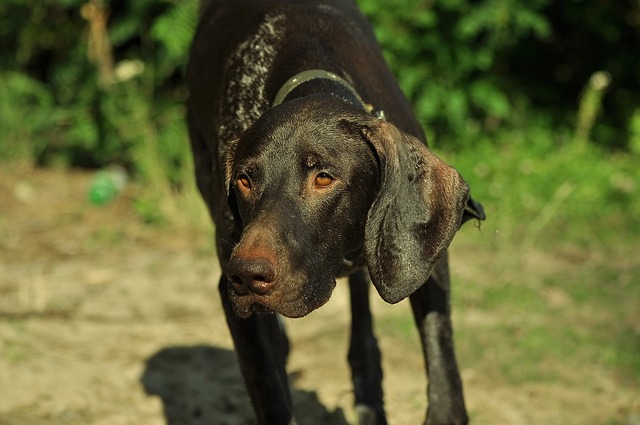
(245, 304)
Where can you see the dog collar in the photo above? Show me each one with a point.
(320, 74)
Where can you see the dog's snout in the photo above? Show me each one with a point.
(252, 274)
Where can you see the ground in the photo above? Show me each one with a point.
(107, 320)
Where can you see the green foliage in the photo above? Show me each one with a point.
(26, 115)
(174, 30)
(472, 67)
(534, 182)
(634, 132)
(71, 115)
(445, 54)
(587, 37)
(486, 77)
(65, 101)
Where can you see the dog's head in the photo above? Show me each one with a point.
(315, 181)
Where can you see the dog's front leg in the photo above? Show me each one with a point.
(262, 348)
(432, 311)
(364, 355)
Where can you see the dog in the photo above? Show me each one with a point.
(313, 166)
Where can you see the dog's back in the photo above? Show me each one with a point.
(245, 50)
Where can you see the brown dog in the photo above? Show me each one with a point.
(313, 166)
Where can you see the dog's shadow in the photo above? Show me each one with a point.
(203, 385)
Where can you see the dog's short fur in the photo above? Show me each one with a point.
(319, 186)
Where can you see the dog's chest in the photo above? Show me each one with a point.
(246, 72)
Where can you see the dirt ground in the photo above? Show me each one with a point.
(104, 320)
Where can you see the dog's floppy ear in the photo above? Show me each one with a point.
(415, 215)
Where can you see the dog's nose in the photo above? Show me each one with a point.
(251, 274)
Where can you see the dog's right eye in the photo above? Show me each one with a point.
(244, 182)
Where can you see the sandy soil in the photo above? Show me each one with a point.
(104, 320)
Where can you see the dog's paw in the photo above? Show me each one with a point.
(365, 415)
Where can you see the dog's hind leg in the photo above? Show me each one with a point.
(364, 355)
(262, 348)
(431, 309)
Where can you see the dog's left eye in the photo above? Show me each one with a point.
(323, 180)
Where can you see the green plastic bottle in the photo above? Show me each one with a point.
(107, 185)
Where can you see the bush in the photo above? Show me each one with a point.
(93, 97)
(472, 67)
(446, 55)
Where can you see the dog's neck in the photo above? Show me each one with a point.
(318, 80)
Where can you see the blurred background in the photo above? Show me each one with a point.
(536, 102)
(543, 93)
